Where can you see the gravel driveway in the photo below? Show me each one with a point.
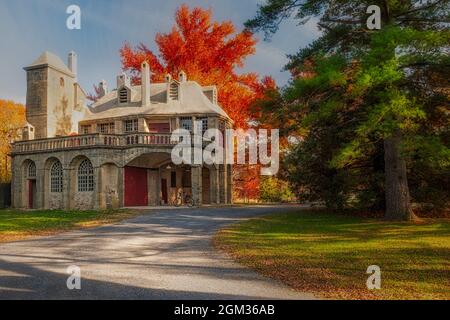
(164, 254)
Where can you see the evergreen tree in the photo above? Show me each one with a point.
(359, 91)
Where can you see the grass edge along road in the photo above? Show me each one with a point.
(19, 224)
(328, 254)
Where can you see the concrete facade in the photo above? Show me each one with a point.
(75, 156)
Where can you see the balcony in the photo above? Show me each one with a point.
(93, 141)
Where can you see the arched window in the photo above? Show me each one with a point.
(31, 170)
(56, 177)
(85, 176)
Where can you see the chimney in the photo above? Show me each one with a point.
(123, 80)
(145, 84)
(72, 63)
(102, 89)
(182, 76)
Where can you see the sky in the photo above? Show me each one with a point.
(28, 28)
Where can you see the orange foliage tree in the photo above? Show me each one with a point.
(12, 120)
(209, 52)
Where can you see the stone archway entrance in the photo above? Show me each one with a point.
(153, 180)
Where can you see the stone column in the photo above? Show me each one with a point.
(222, 184)
(194, 127)
(158, 188)
(118, 124)
(96, 203)
(69, 186)
(229, 184)
(46, 188)
(142, 125)
(215, 185)
(16, 183)
(40, 185)
(121, 186)
(196, 180)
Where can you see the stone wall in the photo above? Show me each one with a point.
(83, 200)
(36, 110)
(55, 201)
(153, 187)
(108, 164)
(110, 180)
(60, 103)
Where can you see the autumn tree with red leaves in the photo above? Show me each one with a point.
(210, 53)
(95, 95)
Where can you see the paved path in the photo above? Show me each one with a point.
(159, 255)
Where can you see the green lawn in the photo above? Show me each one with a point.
(329, 254)
(16, 224)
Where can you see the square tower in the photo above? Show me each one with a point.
(51, 95)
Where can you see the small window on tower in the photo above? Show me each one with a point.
(61, 82)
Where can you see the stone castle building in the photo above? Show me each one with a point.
(117, 151)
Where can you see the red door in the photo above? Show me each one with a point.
(31, 193)
(164, 190)
(136, 191)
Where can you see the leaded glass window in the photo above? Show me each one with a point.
(56, 177)
(186, 123)
(31, 170)
(85, 176)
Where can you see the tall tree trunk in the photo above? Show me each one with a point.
(398, 204)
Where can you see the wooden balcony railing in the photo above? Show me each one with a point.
(93, 140)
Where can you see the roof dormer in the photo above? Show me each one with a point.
(123, 89)
(173, 88)
(211, 93)
(174, 91)
(123, 95)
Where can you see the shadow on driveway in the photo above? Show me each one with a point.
(167, 255)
